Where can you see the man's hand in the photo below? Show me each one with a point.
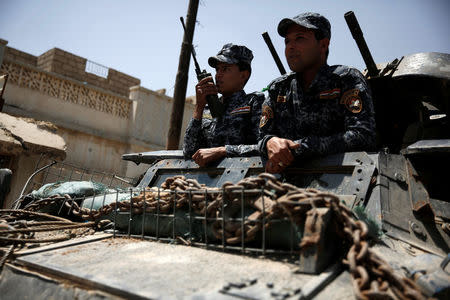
(204, 88)
(279, 153)
(204, 156)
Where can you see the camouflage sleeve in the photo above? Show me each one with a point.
(359, 121)
(241, 150)
(266, 123)
(249, 150)
(194, 138)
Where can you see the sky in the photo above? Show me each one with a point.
(143, 38)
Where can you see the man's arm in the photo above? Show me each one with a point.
(266, 124)
(194, 137)
(275, 151)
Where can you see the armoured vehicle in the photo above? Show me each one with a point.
(251, 236)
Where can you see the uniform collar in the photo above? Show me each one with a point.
(234, 98)
(320, 76)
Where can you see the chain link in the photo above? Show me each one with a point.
(372, 277)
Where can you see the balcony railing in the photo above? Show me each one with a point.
(97, 69)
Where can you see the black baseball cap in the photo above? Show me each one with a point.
(232, 54)
(309, 20)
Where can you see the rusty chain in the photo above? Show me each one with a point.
(18, 227)
(372, 277)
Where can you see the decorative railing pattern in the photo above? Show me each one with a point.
(66, 89)
(97, 69)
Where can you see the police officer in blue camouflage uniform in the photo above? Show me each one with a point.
(317, 109)
(235, 133)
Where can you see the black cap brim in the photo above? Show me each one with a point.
(285, 23)
(213, 60)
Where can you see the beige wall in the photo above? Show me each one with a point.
(96, 152)
(152, 115)
(33, 103)
(22, 166)
(98, 125)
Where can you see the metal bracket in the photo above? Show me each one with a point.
(316, 257)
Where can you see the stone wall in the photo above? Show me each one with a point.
(62, 62)
(20, 56)
(73, 66)
(54, 88)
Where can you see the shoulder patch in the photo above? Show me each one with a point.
(330, 94)
(240, 110)
(207, 116)
(281, 99)
(267, 114)
(352, 101)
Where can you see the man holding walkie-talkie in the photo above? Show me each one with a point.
(234, 132)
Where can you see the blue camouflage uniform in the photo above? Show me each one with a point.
(237, 129)
(334, 114)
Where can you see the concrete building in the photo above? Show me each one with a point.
(101, 113)
(24, 143)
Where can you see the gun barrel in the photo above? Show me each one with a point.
(274, 53)
(357, 34)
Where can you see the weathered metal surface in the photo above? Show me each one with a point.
(346, 166)
(430, 64)
(428, 146)
(343, 174)
(398, 219)
(441, 208)
(254, 289)
(420, 200)
(432, 274)
(337, 289)
(316, 257)
(229, 169)
(157, 270)
(318, 283)
(78, 241)
(152, 156)
(21, 283)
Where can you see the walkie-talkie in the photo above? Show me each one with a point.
(215, 106)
